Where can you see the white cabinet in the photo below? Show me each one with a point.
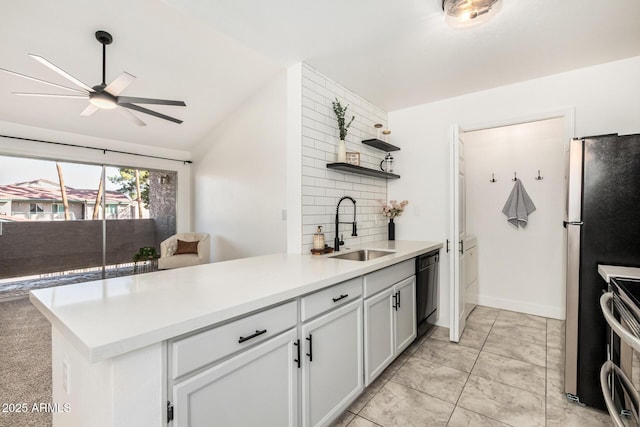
(332, 368)
(379, 331)
(258, 387)
(405, 314)
(301, 362)
(389, 326)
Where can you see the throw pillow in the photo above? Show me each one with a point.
(186, 248)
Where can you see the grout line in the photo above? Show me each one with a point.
(365, 418)
(470, 371)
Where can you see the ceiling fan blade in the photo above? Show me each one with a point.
(24, 76)
(120, 83)
(150, 112)
(129, 115)
(89, 110)
(136, 100)
(60, 71)
(52, 95)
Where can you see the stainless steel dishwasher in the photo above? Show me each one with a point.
(427, 290)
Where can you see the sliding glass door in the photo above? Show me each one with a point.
(64, 222)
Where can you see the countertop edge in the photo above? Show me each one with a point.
(609, 271)
(100, 352)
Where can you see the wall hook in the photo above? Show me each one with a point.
(493, 179)
(538, 178)
(515, 177)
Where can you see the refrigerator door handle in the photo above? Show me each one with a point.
(578, 223)
(574, 214)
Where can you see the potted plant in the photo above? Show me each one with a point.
(392, 210)
(343, 127)
(148, 256)
(146, 253)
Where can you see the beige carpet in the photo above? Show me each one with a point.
(25, 363)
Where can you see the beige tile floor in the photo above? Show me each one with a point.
(506, 371)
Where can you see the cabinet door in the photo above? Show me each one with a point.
(405, 313)
(379, 348)
(257, 387)
(332, 363)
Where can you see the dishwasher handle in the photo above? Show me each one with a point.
(427, 260)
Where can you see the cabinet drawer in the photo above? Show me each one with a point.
(191, 353)
(335, 296)
(382, 279)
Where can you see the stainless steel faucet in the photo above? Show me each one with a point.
(337, 242)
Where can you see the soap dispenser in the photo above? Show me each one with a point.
(318, 239)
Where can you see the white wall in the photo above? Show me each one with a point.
(15, 147)
(321, 187)
(239, 178)
(519, 269)
(127, 390)
(604, 98)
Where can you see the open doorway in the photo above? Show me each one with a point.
(520, 268)
(517, 268)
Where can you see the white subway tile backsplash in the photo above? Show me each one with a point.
(312, 152)
(321, 187)
(308, 102)
(313, 95)
(344, 185)
(308, 190)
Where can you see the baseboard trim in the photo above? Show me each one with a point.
(552, 312)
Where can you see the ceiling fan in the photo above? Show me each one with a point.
(101, 96)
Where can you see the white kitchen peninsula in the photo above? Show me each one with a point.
(111, 339)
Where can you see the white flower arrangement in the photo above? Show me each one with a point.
(393, 208)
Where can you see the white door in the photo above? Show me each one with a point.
(457, 234)
(332, 367)
(378, 334)
(405, 314)
(257, 387)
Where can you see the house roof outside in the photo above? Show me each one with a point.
(45, 190)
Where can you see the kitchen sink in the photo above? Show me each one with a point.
(362, 255)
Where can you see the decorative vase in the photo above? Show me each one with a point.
(342, 151)
(392, 229)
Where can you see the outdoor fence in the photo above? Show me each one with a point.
(39, 247)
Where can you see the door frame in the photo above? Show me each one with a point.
(457, 129)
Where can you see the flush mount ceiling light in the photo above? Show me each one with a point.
(465, 13)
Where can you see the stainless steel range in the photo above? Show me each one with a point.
(619, 375)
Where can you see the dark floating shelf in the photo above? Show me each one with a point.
(346, 167)
(380, 145)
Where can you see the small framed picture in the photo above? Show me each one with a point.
(353, 158)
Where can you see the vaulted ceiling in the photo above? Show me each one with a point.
(214, 54)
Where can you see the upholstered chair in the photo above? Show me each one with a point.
(193, 249)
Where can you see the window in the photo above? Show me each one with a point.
(35, 208)
(57, 208)
(112, 211)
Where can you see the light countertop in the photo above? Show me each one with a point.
(609, 271)
(110, 317)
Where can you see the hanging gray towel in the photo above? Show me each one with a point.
(519, 206)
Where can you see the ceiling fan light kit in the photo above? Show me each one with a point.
(467, 13)
(101, 96)
(102, 100)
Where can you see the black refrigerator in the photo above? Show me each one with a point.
(603, 227)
